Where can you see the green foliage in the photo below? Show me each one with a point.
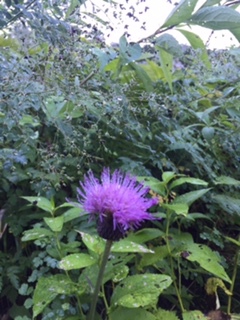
(168, 114)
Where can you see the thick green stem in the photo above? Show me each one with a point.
(99, 280)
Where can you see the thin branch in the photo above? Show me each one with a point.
(157, 32)
(17, 15)
(87, 78)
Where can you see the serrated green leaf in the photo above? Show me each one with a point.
(128, 313)
(162, 314)
(207, 259)
(76, 261)
(180, 13)
(193, 315)
(41, 202)
(36, 233)
(190, 180)
(140, 290)
(48, 288)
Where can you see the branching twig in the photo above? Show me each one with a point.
(87, 78)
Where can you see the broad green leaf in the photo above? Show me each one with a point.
(180, 241)
(204, 115)
(128, 313)
(162, 314)
(169, 43)
(55, 224)
(190, 180)
(125, 245)
(76, 261)
(178, 208)
(193, 315)
(208, 133)
(73, 5)
(115, 270)
(93, 242)
(143, 76)
(113, 66)
(207, 259)
(227, 180)
(8, 42)
(227, 203)
(197, 215)
(36, 233)
(236, 33)
(180, 13)
(168, 176)
(140, 290)
(129, 52)
(149, 259)
(54, 107)
(155, 185)
(48, 288)
(42, 203)
(191, 196)
(197, 43)
(210, 3)
(119, 273)
(28, 119)
(72, 214)
(153, 70)
(166, 60)
(218, 18)
(144, 235)
(71, 110)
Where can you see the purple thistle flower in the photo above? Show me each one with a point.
(117, 200)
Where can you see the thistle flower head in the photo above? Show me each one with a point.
(117, 201)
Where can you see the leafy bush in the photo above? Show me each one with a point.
(69, 104)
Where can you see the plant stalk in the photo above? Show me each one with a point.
(171, 264)
(235, 269)
(99, 279)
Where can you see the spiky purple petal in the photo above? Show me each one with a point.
(117, 200)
